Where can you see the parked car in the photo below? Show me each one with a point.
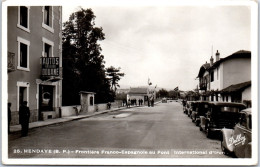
(201, 110)
(192, 107)
(238, 141)
(184, 103)
(187, 108)
(220, 115)
(164, 100)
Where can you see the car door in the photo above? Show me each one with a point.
(241, 137)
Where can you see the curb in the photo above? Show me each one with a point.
(67, 119)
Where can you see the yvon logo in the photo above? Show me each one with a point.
(238, 140)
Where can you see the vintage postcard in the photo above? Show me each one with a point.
(129, 82)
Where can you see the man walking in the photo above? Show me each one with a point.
(24, 115)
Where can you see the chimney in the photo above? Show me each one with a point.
(217, 56)
(211, 61)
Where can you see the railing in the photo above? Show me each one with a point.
(11, 62)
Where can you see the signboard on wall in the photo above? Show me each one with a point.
(50, 66)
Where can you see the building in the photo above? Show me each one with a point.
(224, 72)
(143, 93)
(238, 93)
(34, 60)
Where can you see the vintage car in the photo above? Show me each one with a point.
(164, 100)
(184, 103)
(220, 115)
(238, 141)
(192, 108)
(187, 107)
(201, 110)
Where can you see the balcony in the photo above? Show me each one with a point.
(11, 62)
(203, 86)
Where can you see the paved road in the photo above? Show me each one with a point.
(162, 131)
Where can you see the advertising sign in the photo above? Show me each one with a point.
(50, 66)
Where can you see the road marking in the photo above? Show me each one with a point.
(122, 115)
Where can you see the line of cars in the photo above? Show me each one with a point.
(230, 121)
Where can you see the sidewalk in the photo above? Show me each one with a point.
(17, 128)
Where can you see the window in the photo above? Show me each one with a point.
(47, 48)
(47, 21)
(243, 120)
(212, 76)
(47, 15)
(23, 54)
(23, 18)
(22, 93)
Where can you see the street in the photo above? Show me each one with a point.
(162, 131)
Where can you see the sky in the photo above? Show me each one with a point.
(168, 44)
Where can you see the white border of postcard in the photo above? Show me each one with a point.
(112, 161)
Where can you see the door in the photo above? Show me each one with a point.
(46, 103)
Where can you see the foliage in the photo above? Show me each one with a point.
(120, 96)
(162, 93)
(114, 76)
(83, 63)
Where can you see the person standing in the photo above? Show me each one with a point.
(9, 116)
(24, 115)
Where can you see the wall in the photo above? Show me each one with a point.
(218, 78)
(236, 71)
(69, 110)
(246, 94)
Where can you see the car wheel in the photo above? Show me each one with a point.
(224, 150)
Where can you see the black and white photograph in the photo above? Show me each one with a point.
(129, 82)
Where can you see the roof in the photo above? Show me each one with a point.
(138, 90)
(236, 88)
(238, 54)
(85, 92)
(203, 68)
(231, 104)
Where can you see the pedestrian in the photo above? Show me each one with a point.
(139, 102)
(152, 102)
(24, 115)
(9, 116)
(128, 103)
(108, 105)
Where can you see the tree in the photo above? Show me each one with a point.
(114, 76)
(83, 63)
(162, 93)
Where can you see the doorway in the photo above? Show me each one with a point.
(46, 98)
